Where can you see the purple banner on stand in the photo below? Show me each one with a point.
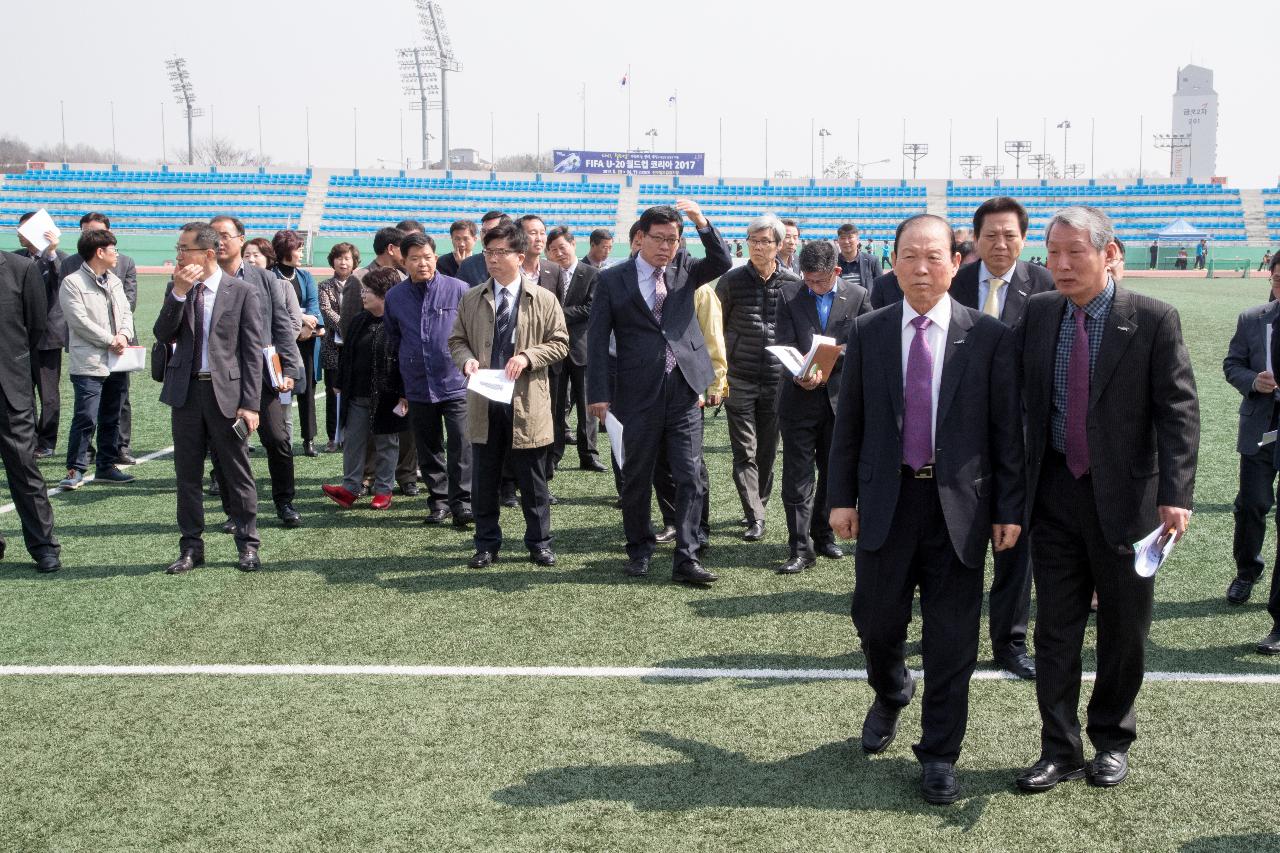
(573, 161)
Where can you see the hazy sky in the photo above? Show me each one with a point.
(741, 62)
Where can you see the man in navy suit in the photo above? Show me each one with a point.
(926, 467)
(646, 304)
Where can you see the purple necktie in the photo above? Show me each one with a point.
(1078, 400)
(917, 394)
(659, 299)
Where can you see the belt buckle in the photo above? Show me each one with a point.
(925, 473)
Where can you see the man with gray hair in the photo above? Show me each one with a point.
(749, 297)
(1112, 428)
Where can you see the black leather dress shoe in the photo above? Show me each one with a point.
(410, 490)
(938, 783)
(289, 516)
(463, 517)
(795, 566)
(880, 726)
(48, 563)
(436, 516)
(691, 571)
(1020, 664)
(596, 465)
(187, 561)
(249, 561)
(1270, 644)
(1045, 774)
(309, 448)
(1108, 769)
(830, 550)
(552, 500)
(124, 457)
(229, 526)
(754, 532)
(668, 534)
(212, 488)
(542, 557)
(482, 560)
(638, 568)
(1239, 590)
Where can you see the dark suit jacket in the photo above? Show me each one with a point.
(448, 264)
(126, 270)
(577, 310)
(236, 338)
(473, 270)
(22, 317)
(1143, 421)
(618, 309)
(1246, 358)
(796, 326)
(1027, 280)
(50, 271)
(277, 323)
(977, 439)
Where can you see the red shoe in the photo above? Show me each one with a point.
(381, 501)
(341, 496)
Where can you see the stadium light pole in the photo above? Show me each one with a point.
(992, 171)
(436, 34)
(1017, 149)
(1175, 142)
(915, 152)
(1065, 127)
(584, 116)
(164, 145)
(62, 112)
(970, 163)
(185, 95)
(822, 137)
(1039, 161)
(421, 81)
(652, 133)
(114, 156)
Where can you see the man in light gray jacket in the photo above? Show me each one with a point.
(99, 324)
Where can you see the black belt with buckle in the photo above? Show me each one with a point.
(206, 376)
(925, 473)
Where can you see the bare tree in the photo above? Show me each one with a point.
(524, 163)
(220, 151)
(1129, 174)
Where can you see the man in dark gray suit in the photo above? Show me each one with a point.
(926, 467)
(571, 391)
(22, 292)
(646, 304)
(46, 357)
(213, 383)
(546, 275)
(1250, 366)
(1113, 429)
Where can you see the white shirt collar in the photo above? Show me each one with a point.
(213, 281)
(985, 275)
(940, 314)
(512, 289)
(644, 269)
(569, 270)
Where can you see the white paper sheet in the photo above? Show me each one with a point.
(614, 428)
(493, 384)
(133, 358)
(1268, 438)
(35, 228)
(790, 357)
(1150, 553)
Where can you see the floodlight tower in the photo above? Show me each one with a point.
(185, 94)
(1175, 142)
(1075, 170)
(915, 151)
(421, 78)
(970, 163)
(1039, 161)
(436, 35)
(992, 171)
(1017, 149)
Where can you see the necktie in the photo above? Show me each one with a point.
(992, 306)
(660, 299)
(1275, 363)
(501, 330)
(198, 355)
(1078, 400)
(917, 400)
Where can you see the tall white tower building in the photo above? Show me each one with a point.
(1195, 112)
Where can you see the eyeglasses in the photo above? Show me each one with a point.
(761, 241)
(664, 241)
(498, 253)
(179, 249)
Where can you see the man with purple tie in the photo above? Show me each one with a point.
(926, 466)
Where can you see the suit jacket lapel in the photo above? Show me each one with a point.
(1015, 300)
(1116, 337)
(222, 302)
(633, 284)
(964, 288)
(809, 305)
(954, 358)
(890, 349)
(840, 306)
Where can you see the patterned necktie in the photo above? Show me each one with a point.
(917, 394)
(1078, 399)
(501, 330)
(660, 299)
(992, 306)
(198, 308)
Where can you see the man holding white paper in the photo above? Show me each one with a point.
(99, 324)
(41, 246)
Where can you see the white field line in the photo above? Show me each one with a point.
(636, 672)
(88, 478)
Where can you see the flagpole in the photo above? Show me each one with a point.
(584, 116)
(629, 88)
(675, 136)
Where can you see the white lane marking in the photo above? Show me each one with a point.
(88, 478)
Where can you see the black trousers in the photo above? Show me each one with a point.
(1009, 603)
(1254, 501)
(126, 417)
(919, 553)
(674, 421)
(198, 427)
(1071, 558)
(330, 405)
(46, 376)
(806, 444)
(529, 467)
(664, 486)
(443, 452)
(307, 399)
(571, 393)
(278, 447)
(753, 434)
(27, 488)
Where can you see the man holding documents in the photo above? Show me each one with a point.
(1113, 428)
(926, 466)
(822, 305)
(1250, 366)
(510, 325)
(39, 238)
(99, 327)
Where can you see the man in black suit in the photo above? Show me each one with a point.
(601, 247)
(46, 357)
(278, 323)
(646, 304)
(213, 381)
(473, 270)
(462, 234)
(1250, 366)
(22, 292)
(926, 466)
(386, 254)
(856, 266)
(579, 284)
(821, 304)
(1113, 428)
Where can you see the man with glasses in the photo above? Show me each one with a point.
(749, 297)
(213, 383)
(647, 304)
(474, 270)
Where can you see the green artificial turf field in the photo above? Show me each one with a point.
(525, 763)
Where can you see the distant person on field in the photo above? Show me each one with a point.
(1154, 249)
(1266, 261)
(601, 248)
(462, 234)
(1202, 250)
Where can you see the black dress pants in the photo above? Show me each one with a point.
(27, 488)
(46, 376)
(444, 454)
(529, 468)
(806, 445)
(307, 399)
(1070, 559)
(198, 426)
(278, 447)
(1009, 604)
(664, 486)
